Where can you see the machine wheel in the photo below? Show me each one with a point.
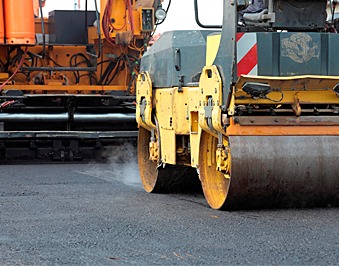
(171, 178)
(214, 183)
(147, 168)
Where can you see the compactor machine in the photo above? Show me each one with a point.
(254, 109)
(67, 78)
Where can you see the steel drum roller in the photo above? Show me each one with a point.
(276, 171)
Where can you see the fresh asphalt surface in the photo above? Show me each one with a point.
(98, 214)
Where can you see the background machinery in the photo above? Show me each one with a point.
(254, 109)
(67, 82)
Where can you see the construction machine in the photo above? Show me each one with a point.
(67, 80)
(252, 110)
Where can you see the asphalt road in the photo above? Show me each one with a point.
(98, 214)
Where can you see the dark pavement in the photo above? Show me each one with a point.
(98, 214)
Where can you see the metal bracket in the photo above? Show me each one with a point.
(153, 148)
(177, 59)
(296, 105)
(208, 113)
(181, 83)
(222, 157)
(143, 104)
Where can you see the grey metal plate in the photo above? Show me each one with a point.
(284, 171)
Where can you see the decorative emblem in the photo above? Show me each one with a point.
(300, 48)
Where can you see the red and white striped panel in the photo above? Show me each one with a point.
(247, 54)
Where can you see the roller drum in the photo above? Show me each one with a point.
(283, 171)
(159, 179)
(19, 22)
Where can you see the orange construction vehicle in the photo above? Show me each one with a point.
(67, 81)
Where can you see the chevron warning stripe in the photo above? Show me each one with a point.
(247, 54)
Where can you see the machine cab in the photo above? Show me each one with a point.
(288, 15)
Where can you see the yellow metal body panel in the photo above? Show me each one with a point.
(210, 88)
(213, 42)
(164, 99)
(307, 82)
(195, 129)
(288, 97)
(144, 98)
(306, 89)
(288, 91)
(174, 113)
(238, 130)
(181, 113)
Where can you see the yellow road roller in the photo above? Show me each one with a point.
(250, 111)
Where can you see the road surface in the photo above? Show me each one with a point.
(98, 214)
